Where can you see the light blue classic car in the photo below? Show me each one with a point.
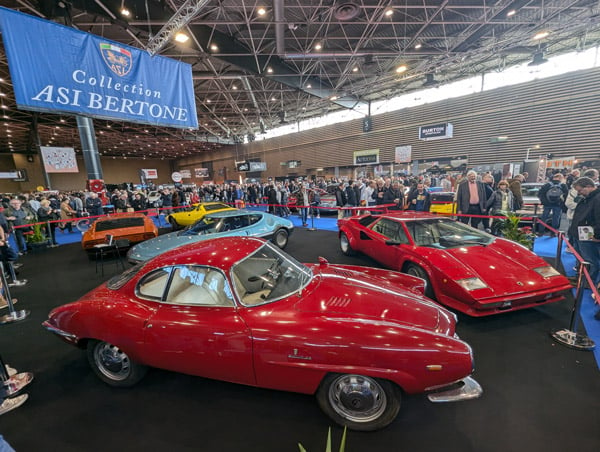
(241, 222)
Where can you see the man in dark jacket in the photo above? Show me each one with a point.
(552, 196)
(419, 199)
(340, 199)
(587, 215)
(471, 198)
(93, 205)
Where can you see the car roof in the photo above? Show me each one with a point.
(223, 253)
(233, 213)
(409, 215)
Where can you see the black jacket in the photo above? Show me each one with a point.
(587, 213)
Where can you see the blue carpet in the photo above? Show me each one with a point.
(546, 247)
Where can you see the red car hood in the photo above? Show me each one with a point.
(504, 266)
(339, 291)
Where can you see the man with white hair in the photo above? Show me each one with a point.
(471, 198)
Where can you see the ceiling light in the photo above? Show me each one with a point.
(181, 37)
(355, 69)
(261, 11)
(334, 98)
(512, 12)
(125, 12)
(318, 46)
(541, 35)
(214, 47)
(401, 69)
(418, 46)
(270, 70)
(389, 12)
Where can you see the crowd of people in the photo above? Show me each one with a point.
(477, 196)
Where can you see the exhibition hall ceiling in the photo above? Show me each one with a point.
(260, 64)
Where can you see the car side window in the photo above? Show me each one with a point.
(153, 285)
(196, 285)
(391, 230)
(252, 219)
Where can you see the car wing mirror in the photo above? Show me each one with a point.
(323, 262)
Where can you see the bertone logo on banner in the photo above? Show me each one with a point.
(59, 69)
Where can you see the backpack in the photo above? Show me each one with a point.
(554, 194)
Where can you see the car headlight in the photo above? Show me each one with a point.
(546, 271)
(472, 284)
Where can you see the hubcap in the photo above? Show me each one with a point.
(111, 361)
(357, 398)
(344, 242)
(281, 239)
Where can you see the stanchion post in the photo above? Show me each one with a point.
(570, 337)
(557, 259)
(13, 277)
(12, 316)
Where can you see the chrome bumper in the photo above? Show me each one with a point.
(467, 389)
(68, 336)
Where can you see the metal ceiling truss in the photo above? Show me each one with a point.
(253, 72)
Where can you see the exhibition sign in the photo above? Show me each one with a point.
(59, 160)
(59, 69)
(150, 173)
(370, 156)
(403, 154)
(436, 132)
(201, 172)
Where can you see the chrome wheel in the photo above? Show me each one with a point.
(111, 361)
(112, 365)
(357, 398)
(345, 245)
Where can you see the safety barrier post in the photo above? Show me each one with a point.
(13, 276)
(12, 316)
(557, 259)
(570, 337)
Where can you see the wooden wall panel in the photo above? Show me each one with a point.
(560, 114)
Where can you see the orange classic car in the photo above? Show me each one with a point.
(135, 227)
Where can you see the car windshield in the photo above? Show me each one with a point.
(530, 190)
(444, 233)
(268, 275)
(116, 223)
(211, 207)
(207, 225)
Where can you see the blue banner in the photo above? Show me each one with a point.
(59, 69)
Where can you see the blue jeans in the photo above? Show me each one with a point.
(590, 252)
(304, 215)
(553, 212)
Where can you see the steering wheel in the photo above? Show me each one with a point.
(269, 278)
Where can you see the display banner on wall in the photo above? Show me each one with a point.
(201, 172)
(258, 166)
(565, 162)
(186, 173)
(59, 160)
(435, 132)
(150, 173)
(403, 154)
(59, 69)
(368, 157)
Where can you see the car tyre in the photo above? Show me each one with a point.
(280, 238)
(359, 402)
(345, 245)
(112, 365)
(174, 223)
(415, 270)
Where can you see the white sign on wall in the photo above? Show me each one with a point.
(403, 154)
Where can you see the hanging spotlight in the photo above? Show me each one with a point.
(181, 37)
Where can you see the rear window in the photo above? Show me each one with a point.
(116, 223)
(366, 221)
(116, 282)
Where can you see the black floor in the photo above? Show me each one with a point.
(538, 396)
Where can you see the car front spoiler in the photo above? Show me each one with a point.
(465, 389)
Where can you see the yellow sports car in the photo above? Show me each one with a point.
(195, 212)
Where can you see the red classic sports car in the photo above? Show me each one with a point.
(464, 268)
(239, 309)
